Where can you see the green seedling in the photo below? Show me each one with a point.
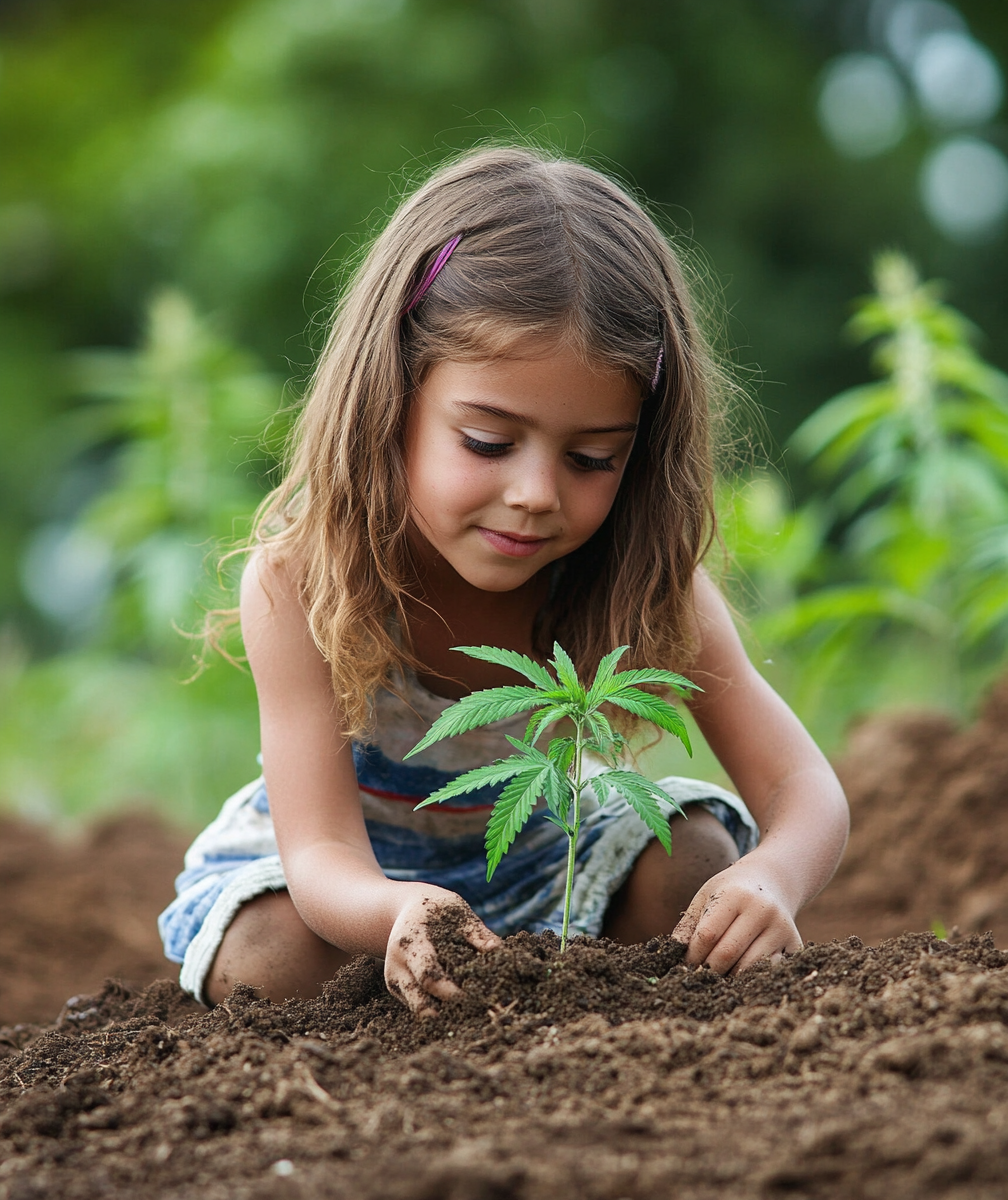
(557, 775)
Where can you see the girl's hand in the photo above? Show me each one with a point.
(412, 971)
(737, 918)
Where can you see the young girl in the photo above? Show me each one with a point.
(506, 443)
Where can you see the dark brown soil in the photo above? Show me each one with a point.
(845, 1071)
(929, 828)
(76, 910)
(612, 1073)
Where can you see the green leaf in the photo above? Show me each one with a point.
(561, 752)
(472, 781)
(566, 672)
(602, 736)
(511, 658)
(598, 785)
(559, 793)
(511, 812)
(538, 721)
(557, 822)
(596, 693)
(479, 708)
(669, 679)
(654, 709)
(643, 796)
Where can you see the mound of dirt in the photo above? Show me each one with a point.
(77, 911)
(929, 828)
(612, 1072)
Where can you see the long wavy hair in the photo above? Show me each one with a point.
(554, 251)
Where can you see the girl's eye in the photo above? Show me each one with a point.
(487, 449)
(586, 463)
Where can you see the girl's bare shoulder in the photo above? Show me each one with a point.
(273, 617)
(718, 650)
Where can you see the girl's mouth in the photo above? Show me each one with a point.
(514, 545)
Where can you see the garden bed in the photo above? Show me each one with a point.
(613, 1072)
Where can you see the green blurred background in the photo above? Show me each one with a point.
(184, 185)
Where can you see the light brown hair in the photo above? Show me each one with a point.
(554, 250)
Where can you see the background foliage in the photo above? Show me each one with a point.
(184, 184)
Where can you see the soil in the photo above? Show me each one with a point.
(79, 908)
(614, 1072)
(610, 1073)
(929, 828)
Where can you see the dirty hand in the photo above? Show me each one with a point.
(412, 971)
(738, 917)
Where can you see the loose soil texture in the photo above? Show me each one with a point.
(614, 1072)
(611, 1072)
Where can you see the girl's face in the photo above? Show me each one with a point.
(512, 464)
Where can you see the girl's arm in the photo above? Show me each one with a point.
(747, 912)
(332, 874)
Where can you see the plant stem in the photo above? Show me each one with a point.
(572, 836)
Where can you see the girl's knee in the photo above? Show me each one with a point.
(269, 947)
(662, 886)
(701, 846)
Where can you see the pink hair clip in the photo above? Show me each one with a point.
(657, 369)
(431, 274)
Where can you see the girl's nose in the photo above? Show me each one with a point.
(534, 488)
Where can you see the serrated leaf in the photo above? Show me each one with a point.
(557, 822)
(678, 683)
(654, 709)
(561, 752)
(478, 777)
(531, 753)
(643, 796)
(538, 722)
(603, 737)
(566, 672)
(511, 658)
(559, 793)
(478, 708)
(606, 668)
(511, 812)
(598, 786)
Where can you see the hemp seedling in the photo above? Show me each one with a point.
(558, 774)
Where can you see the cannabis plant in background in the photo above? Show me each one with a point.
(900, 553)
(558, 775)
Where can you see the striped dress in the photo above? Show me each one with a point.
(235, 858)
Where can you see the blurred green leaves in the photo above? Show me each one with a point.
(898, 557)
(187, 430)
(187, 414)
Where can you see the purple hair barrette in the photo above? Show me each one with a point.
(431, 274)
(657, 369)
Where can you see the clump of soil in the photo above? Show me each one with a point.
(612, 1072)
(78, 909)
(929, 828)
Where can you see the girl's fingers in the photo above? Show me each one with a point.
(772, 944)
(704, 925)
(732, 944)
(481, 938)
(442, 989)
(413, 972)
